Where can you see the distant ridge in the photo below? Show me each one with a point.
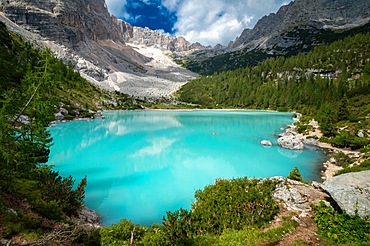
(270, 31)
(295, 28)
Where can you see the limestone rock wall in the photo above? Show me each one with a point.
(68, 22)
(83, 33)
(152, 38)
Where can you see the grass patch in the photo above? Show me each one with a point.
(249, 236)
(341, 228)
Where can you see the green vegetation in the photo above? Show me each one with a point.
(346, 140)
(295, 174)
(33, 85)
(364, 166)
(235, 60)
(308, 37)
(29, 81)
(341, 228)
(249, 236)
(331, 84)
(229, 212)
(233, 204)
(341, 159)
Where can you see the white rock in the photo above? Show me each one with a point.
(290, 142)
(351, 191)
(266, 143)
(59, 116)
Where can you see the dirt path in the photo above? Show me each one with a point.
(306, 232)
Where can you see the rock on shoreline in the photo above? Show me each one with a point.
(266, 143)
(351, 191)
(88, 218)
(292, 139)
(291, 142)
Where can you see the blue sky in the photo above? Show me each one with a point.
(206, 21)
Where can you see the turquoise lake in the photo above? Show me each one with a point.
(140, 164)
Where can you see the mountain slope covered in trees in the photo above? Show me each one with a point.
(34, 85)
(332, 83)
(309, 37)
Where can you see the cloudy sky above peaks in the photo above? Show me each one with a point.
(208, 22)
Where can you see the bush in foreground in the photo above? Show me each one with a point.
(224, 208)
(341, 228)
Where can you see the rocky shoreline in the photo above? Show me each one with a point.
(88, 218)
(350, 191)
(292, 139)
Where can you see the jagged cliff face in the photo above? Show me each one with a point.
(151, 38)
(69, 22)
(84, 33)
(269, 31)
(73, 22)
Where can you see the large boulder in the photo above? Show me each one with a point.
(351, 191)
(290, 142)
(88, 218)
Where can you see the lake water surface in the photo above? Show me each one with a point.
(140, 164)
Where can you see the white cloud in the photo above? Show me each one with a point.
(171, 5)
(218, 21)
(117, 8)
(209, 21)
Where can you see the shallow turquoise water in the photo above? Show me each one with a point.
(140, 164)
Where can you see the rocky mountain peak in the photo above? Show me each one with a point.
(319, 14)
(152, 38)
(84, 33)
(68, 22)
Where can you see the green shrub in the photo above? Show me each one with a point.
(120, 234)
(248, 236)
(178, 227)
(341, 228)
(233, 204)
(227, 204)
(155, 237)
(365, 149)
(50, 210)
(324, 139)
(341, 158)
(295, 174)
(301, 127)
(59, 189)
(17, 223)
(89, 237)
(346, 140)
